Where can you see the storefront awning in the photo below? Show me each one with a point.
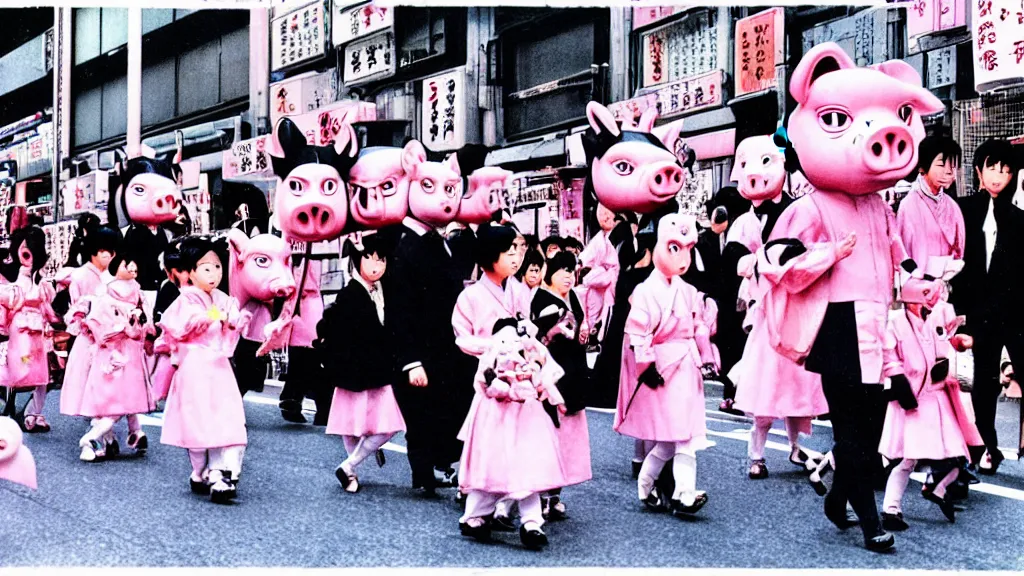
(549, 148)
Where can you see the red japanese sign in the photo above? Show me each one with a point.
(998, 43)
(760, 43)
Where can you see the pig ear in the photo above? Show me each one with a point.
(647, 120)
(453, 163)
(601, 119)
(412, 155)
(237, 240)
(820, 60)
(668, 134)
(289, 138)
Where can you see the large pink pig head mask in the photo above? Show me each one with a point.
(260, 267)
(377, 196)
(484, 198)
(311, 204)
(434, 188)
(677, 234)
(147, 193)
(856, 130)
(630, 168)
(759, 169)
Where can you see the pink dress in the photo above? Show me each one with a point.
(930, 227)
(204, 407)
(597, 289)
(661, 328)
(935, 429)
(118, 383)
(27, 365)
(84, 283)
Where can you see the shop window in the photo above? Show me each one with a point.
(682, 49)
(87, 34)
(421, 35)
(153, 19)
(113, 28)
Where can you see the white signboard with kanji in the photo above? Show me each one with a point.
(444, 111)
(354, 22)
(298, 36)
(370, 59)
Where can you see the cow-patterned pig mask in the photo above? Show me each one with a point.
(856, 130)
(311, 202)
(629, 169)
(677, 234)
(260, 267)
(378, 187)
(434, 188)
(759, 169)
(146, 193)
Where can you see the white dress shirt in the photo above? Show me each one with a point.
(990, 230)
(376, 294)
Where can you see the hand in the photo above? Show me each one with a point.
(418, 377)
(651, 378)
(941, 370)
(584, 333)
(562, 409)
(962, 342)
(902, 392)
(845, 246)
(198, 324)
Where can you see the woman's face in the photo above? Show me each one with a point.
(127, 271)
(994, 178)
(25, 256)
(372, 267)
(605, 218)
(562, 282)
(532, 276)
(942, 172)
(102, 259)
(208, 273)
(508, 262)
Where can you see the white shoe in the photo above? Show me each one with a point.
(92, 451)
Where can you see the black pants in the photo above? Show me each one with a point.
(426, 436)
(250, 370)
(990, 336)
(304, 380)
(857, 417)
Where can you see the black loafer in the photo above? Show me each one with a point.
(880, 543)
(533, 539)
(945, 505)
(200, 488)
(380, 458)
(480, 533)
(894, 522)
(680, 509)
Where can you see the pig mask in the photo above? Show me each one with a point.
(856, 130)
(148, 194)
(311, 203)
(677, 234)
(260, 267)
(630, 169)
(16, 461)
(485, 195)
(759, 168)
(434, 188)
(377, 196)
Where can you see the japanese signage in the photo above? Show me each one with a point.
(645, 15)
(928, 16)
(197, 202)
(58, 245)
(444, 111)
(695, 192)
(298, 37)
(571, 198)
(247, 157)
(760, 41)
(321, 126)
(371, 58)
(530, 197)
(942, 67)
(998, 43)
(680, 97)
(302, 94)
(353, 22)
(79, 194)
(683, 49)
(6, 198)
(34, 153)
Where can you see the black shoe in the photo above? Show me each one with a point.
(968, 476)
(843, 518)
(380, 458)
(502, 524)
(533, 539)
(944, 504)
(653, 501)
(446, 478)
(200, 488)
(293, 417)
(113, 449)
(880, 543)
(894, 522)
(636, 469)
(957, 491)
(318, 421)
(997, 459)
(681, 510)
(480, 533)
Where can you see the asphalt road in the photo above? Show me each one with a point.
(291, 511)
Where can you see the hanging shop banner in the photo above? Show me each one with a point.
(79, 194)
(760, 41)
(370, 59)
(682, 49)
(942, 67)
(930, 16)
(248, 158)
(354, 22)
(571, 207)
(302, 94)
(647, 15)
(298, 36)
(322, 126)
(6, 198)
(531, 197)
(695, 192)
(998, 44)
(444, 111)
(680, 97)
(58, 245)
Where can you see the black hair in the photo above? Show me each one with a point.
(35, 239)
(549, 242)
(532, 242)
(933, 147)
(990, 153)
(532, 258)
(122, 257)
(172, 256)
(560, 261)
(504, 323)
(192, 251)
(78, 253)
(102, 238)
(375, 243)
(492, 242)
(729, 197)
(568, 243)
(298, 152)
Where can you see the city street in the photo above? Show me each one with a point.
(291, 511)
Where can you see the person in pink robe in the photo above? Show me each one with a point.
(118, 384)
(28, 324)
(600, 260)
(925, 421)
(100, 247)
(929, 220)
(204, 412)
(661, 398)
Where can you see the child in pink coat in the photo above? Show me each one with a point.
(118, 383)
(204, 412)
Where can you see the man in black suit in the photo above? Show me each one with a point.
(435, 388)
(988, 290)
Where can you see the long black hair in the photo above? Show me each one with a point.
(35, 239)
(79, 253)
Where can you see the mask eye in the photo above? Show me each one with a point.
(906, 113)
(766, 160)
(329, 187)
(834, 120)
(139, 189)
(449, 190)
(296, 186)
(387, 186)
(674, 248)
(262, 261)
(427, 185)
(623, 168)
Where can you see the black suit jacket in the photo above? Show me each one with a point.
(147, 247)
(358, 351)
(709, 280)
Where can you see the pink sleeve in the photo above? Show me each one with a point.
(801, 221)
(961, 232)
(640, 326)
(892, 354)
(462, 324)
(178, 320)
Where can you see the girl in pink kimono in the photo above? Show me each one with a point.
(28, 324)
(601, 261)
(510, 448)
(661, 399)
(204, 412)
(929, 220)
(926, 420)
(118, 384)
(100, 248)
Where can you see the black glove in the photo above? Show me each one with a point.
(489, 376)
(552, 411)
(651, 378)
(941, 370)
(902, 393)
(621, 233)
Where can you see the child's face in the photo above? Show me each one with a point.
(994, 178)
(102, 259)
(25, 255)
(179, 277)
(508, 262)
(532, 276)
(562, 281)
(208, 273)
(127, 271)
(942, 172)
(372, 267)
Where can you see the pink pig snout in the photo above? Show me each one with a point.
(166, 204)
(889, 149)
(283, 288)
(314, 219)
(665, 179)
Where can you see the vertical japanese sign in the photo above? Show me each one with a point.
(369, 59)
(444, 111)
(942, 67)
(79, 194)
(998, 43)
(928, 16)
(760, 42)
(298, 36)
(354, 22)
(654, 58)
(682, 49)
